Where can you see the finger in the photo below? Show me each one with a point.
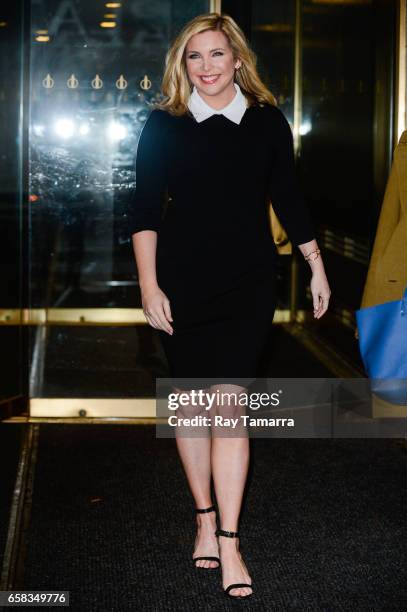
(317, 303)
(151, 319)
(318, 300)
(324, 299)
(164, 323)
(317, 310)
(167, 310)
(321, 314)
(324, 307)
(159, 318)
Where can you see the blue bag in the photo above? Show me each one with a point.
(383, 346)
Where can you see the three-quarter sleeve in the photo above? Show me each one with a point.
(145, 205)
(285, 195)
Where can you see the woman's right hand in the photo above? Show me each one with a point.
(156, 307)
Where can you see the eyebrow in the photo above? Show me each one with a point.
(217, 49)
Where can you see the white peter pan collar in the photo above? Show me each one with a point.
(233, 111)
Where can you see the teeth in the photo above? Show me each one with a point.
(209, 78)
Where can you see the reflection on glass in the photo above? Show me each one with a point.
(91, 87)
(273, 40)
(345, 63)
(338, 98)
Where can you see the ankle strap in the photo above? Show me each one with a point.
(227, 534)
(210, 509)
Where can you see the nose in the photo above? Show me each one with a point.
(206, 64)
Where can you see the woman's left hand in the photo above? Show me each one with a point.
(320, 292)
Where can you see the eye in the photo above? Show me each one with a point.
(194, 55)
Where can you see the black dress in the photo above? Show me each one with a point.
(216, 258)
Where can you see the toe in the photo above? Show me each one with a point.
(241, 592)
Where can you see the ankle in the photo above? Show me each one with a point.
(206, 520)
(228, 542)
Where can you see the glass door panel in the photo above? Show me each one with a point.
(95, 67)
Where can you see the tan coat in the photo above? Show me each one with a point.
(387, 274)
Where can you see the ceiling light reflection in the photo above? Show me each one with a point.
(305, 127)
(117, 131)
(64, 128)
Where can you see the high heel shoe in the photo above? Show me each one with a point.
(236, 585)
(201, 510)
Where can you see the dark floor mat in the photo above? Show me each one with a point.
(10, 443)
(323, 525)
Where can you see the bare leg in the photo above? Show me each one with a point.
(230, 462)
(194, 448)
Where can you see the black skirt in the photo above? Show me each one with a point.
(219, 335)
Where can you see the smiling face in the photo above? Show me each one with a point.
(211, 67)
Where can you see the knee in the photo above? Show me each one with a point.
(230, 402)
(192, 404)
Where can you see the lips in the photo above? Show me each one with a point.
(210, 78)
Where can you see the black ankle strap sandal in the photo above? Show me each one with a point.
(194, 559)
(210, 509)
(236, 585)
(227, 534)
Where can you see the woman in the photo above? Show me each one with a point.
(219, 147)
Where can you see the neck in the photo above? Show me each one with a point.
(222, 99)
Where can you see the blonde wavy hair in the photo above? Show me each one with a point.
(176, 85)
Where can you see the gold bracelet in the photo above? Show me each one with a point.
(307, 257)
